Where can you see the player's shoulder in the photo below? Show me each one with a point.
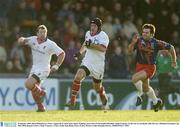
(51, 43)
(155, 40)
(103, 34)
(88, 33)
(32, 37)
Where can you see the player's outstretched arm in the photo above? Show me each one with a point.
(60, 60)
(81, 51)
(132, 44)
(22, 40)
(98, 47)
(173, 55)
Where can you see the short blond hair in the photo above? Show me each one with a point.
(151, 27)
(41, 27)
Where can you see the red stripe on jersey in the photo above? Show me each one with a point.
(60, 53)
(103, 45)
(40, 40)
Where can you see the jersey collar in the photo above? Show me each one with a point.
(41, 41)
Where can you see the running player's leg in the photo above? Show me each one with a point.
(149, 91)
(39, 101)
(32, 83)
(151, 94)
(97, 85)
(80, 75)
(137, 79)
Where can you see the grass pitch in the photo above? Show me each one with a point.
(92, 116)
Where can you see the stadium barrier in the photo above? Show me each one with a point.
(14, 95)
(121, 95)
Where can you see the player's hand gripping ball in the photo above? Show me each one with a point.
(88, 43)
(77, 55)
(54, 68)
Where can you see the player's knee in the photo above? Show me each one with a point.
(145, 89)
(28, 84)
(97, 89)
(97, 86)
(78, 78)
(80, 75)
(134, 79)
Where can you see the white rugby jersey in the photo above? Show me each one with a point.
(93, 56)
(42, 53)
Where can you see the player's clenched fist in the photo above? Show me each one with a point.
(54, 68)
(88, 43)
(77, 55)
(21, 39)
(174, 64)
(135, 38)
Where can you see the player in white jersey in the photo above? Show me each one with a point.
(42, 51)
(93, 63)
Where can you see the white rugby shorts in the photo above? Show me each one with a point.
(96, 71)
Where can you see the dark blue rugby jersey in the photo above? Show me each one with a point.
(147, 50)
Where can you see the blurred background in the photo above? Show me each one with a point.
(68, 20)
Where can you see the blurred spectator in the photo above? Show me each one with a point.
(164, 21)
(70, 62)
(71, 30)
(102, 13)
(3, 55)
(175, 39)
(165, 75)
(129, 29)
(3, 14)
(112, 46)
(17, 66)
(57, 37)
(71, 25)
(14, 34)
(64, 12)
(139, 23)
(17, 51)
(9, 67)
(25, 14)
(117, 11)
(78, 12)
(68, 20)
(128, 14)
(108, 27)
(47, 10)
(118, 66)
(93, 12)
(85, 25)
(46, 22)
(175, 22)
(117, 27)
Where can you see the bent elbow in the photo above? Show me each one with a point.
(172, 47)
(63, 55)
(103, 48)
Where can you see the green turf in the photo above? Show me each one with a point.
(92, 116)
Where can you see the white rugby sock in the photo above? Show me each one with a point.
(151, 94)
(138, 85)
